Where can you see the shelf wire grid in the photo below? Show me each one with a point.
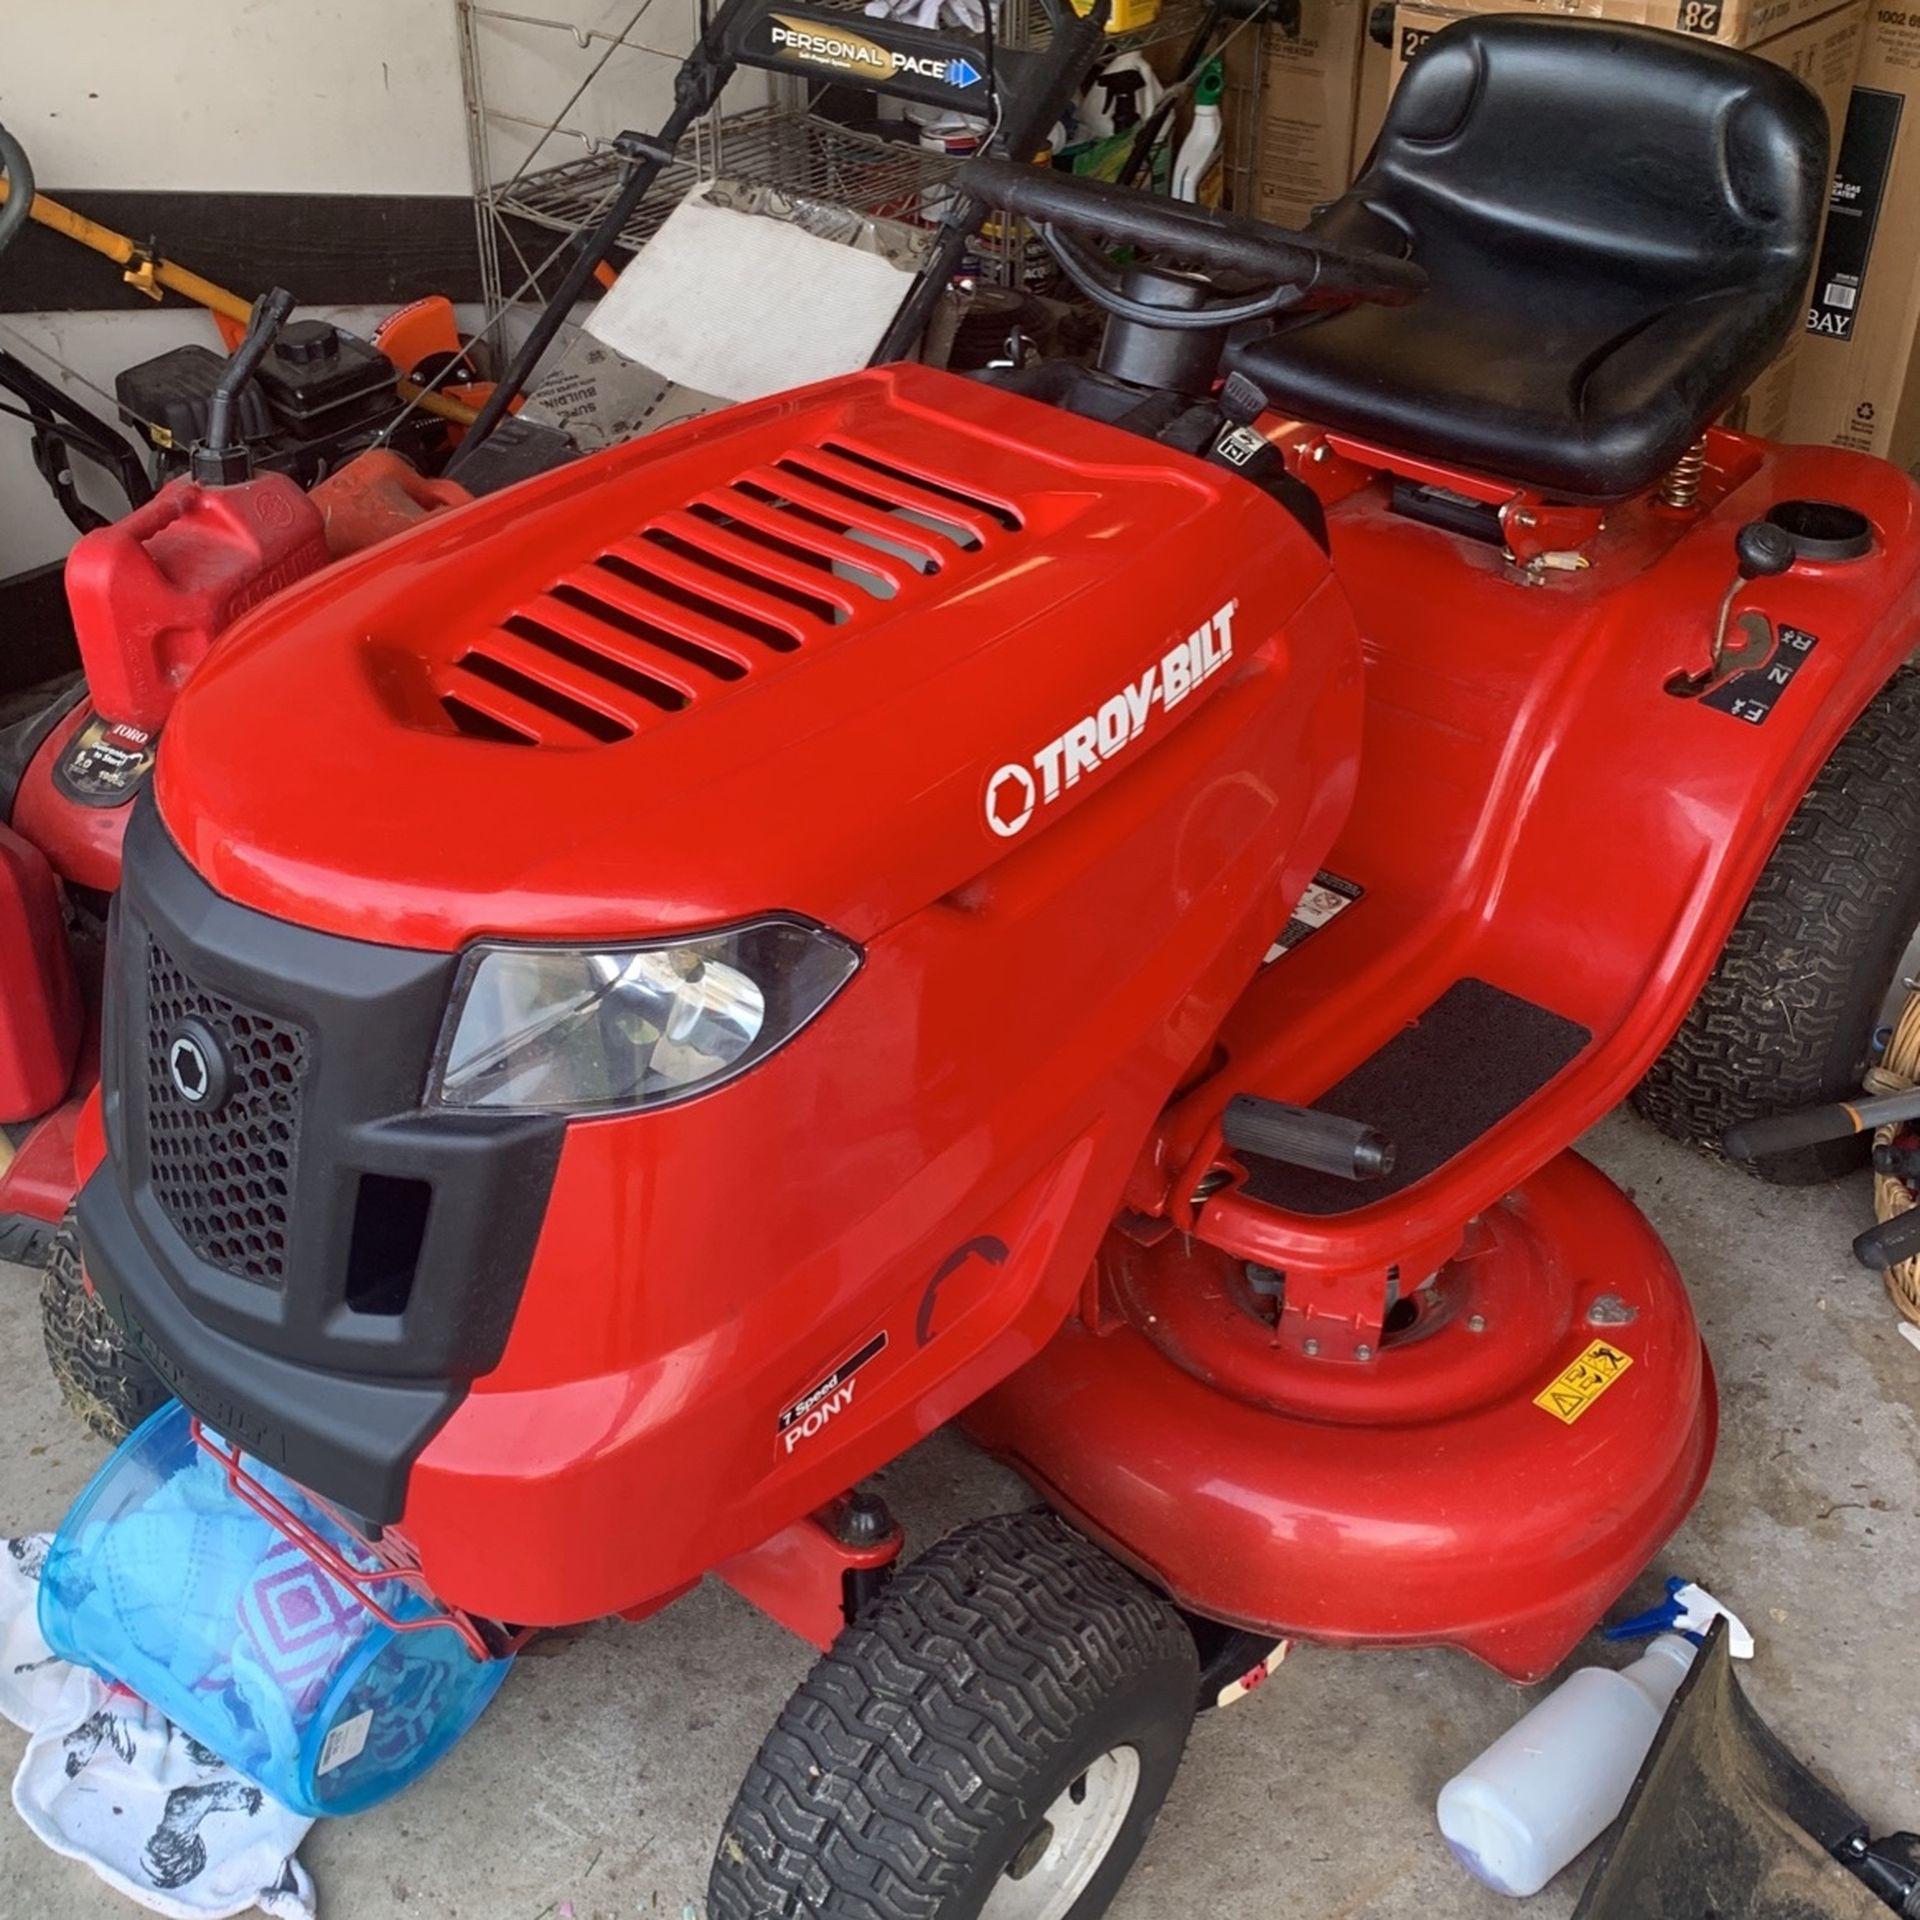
(785, 144)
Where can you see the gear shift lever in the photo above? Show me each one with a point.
(1760, 550)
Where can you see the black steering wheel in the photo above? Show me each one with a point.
(1297, 272)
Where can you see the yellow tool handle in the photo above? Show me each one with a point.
(147, 272)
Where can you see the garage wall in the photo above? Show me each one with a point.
(137, 103)
(322, 145)
(354, 96)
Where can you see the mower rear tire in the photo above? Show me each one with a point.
(990, 1740)
(1789, 1017)
(101, 1378)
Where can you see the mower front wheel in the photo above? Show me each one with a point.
(101, 1378)
(991, 1740)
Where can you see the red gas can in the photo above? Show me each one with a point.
(40, 1007)
(151, 592)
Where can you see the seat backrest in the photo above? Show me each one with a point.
(1647, 156)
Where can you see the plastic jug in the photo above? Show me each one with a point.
(1556, 1780)
(152, 592)
(376, 495)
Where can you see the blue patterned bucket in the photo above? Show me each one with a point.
(164, 1579)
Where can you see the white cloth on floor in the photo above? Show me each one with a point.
(108, 1780)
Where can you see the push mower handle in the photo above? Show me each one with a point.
(1783, 1132)
(1180, 233)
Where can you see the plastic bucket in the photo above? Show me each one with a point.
(164, 1579)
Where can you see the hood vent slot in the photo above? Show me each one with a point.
(545, 699)
(712, 593)
(714, 554)
(894, 481)
(769, 634)
(597, 665)
(478, 724)
(841, 558)
(721, 665)
(790, 505)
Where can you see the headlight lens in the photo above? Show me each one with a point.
(594, 1030)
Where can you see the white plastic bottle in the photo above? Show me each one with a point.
(1556, 1780)
(1194, 161)
(1120, 92)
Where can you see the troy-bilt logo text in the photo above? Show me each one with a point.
(834, 1395)
(854, 53)
(1020, 789)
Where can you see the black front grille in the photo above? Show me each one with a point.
(383, 1245)
(225, 1177)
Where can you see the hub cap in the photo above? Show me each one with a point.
(1055, 1864)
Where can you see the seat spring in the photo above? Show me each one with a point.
(1681, 487)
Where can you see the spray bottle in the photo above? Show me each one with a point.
(1557, 1779)
(1195, 176)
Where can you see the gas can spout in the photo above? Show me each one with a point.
(223, 459)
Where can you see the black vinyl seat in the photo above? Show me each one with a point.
(1617, 227)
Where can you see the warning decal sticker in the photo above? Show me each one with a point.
(1571, 1392)
(1327, 897)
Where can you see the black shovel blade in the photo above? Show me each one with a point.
(1723, 1823)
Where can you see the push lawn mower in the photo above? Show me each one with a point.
(1091, 901)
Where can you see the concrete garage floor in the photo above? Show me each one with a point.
(600, 1777)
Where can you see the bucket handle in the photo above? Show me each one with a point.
(357, 1580)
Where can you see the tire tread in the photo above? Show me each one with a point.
(917, 1734)
(101, 1378)
(1786, 1018)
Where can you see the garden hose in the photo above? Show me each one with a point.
(1899, 1069)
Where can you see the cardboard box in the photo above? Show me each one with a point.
(1859, 379)
(1823, 50)
(1309, 88)
(1822, 46)
(1377, 65)
(1734, 23)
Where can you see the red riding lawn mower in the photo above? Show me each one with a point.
(1089, 901)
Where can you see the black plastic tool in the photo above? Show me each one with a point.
(1300, 1137)
(1890, 1243)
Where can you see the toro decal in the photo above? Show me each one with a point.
(865, 59)
(1018, 790)
(834, 1395)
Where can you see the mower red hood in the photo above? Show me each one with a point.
(692, 679)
